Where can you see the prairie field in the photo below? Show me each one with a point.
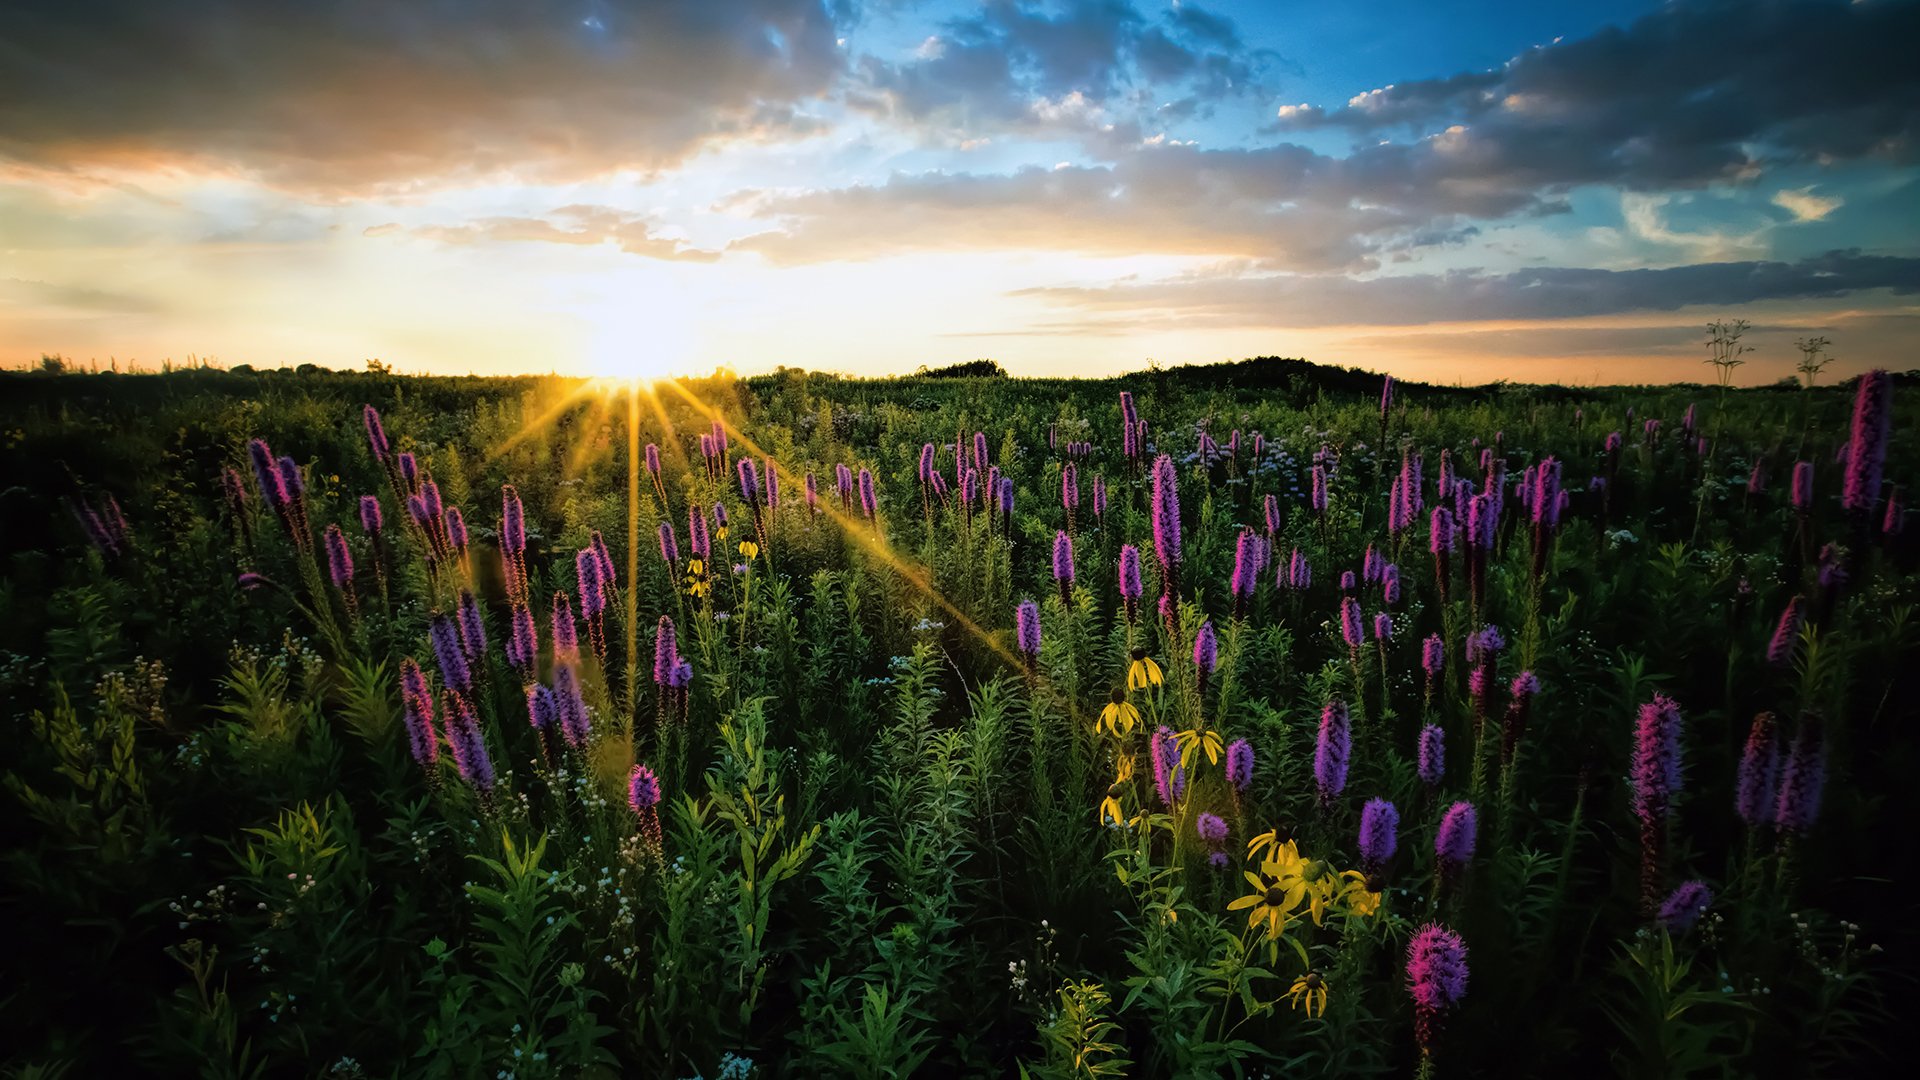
(1262, 719)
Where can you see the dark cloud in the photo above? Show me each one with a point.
(1473, 296)
(580, 225)
(1693, 93)
(347, 95)
(1012, 64)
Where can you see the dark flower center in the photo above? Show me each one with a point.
(1314, 981)
(1139, 655)
(1275, 896)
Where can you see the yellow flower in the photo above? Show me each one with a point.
(695, 567)
(1143, 672)
(1118, 717)
(1310, 991)
(1208, 741)
(1287, 853)
(720, 532)
(1110, 810)
(749, 549)
(1272, 900)
(1359, 895)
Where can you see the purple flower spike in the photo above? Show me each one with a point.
(1063, 560)
(409, 472)
(266, 473)
(456, 529)
(926, 464)
(1166, 513)
(1348, 582)
(1206, 651)
(1240, 764)
(1332, 752)
(1656, 758)
(1785, 642)
(575, 726)
(666, 651)
(292, 481)
(473, 630)
(523, 643)
(1351, 628)
(1372, 565)
(513, 520)
(599, 545)
(1390, 586)
(653, 460)
(448, 653)
(1099, 497)
(869, 502)
(1130, 585)
(1802, 489)
(1804, 778)
(1684, 906)
(370, 520)
(1382, 627)
(376, 433)
(1026, 634)
(1433, 755)
(1245, 550)
(541, 711)
(566, 636)
(1453, 843)
(593, 594)
(1437, 978)
(749, 481)
(1317, 497)
(1379, 833)
(698, 539)
(1211, 827)
(1440, 531)
(1753, 790)
(669, 544)
(1299, 572)
(1069, 486)
(643, 789)
(1433, 655)
(417, 696)
(1169, 775)
(469, 745)
(339, 558)
(1006, 496)
(1867, 449)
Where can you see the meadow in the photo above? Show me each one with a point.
(1251, 720)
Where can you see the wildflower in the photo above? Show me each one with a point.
(1802, 486)
(812, 488)
(1206, 654)
(1299, 573)
(1242, 582)
(1656, 779)
(869, 502)
(1069, 488)
(376, 433)
(698, 540)
(1437, 977)
(456, 529)
(1350, 626)
(417, 698)
(1433, 755)
(1372, 565)
(370, 515)
(1119, 716)
(541, 710)
(1753, 790)
(669, 545)
(1026, 623)
(1166, 516)
(1130, 586)
(1390, 586)
(566, 636)
(1110, 806)
(666, 651)
(1211, 828)
(1347, 581)
(1169, 775)
(1867, 449)
(748, 551)
(1142, 671)
(1386, 397)
(1433, 657)
(1684, 906)
(522, 642)
(469, 744)
(1803, 780)
(643, 789)
(1063, 565)
(266, 473)
(843, 484)
(570, 707)
(1453, 842)
(409, 472)
(1270, 506)
(926, 465)
(339, 558)
(1317, 499)
(1099, 497)
(473, 630)
(1786, 635)
(1382, 627)
(1379, 834)
(1277, 891)
(1239, 764)
(1309, 991)
(598, 545)
(1331, 752)
(448, 652)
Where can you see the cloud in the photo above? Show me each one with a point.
(1301, 301)
(1693, 93)
(1010, 65)
(340, 97)
(579, 225)
(1804, 205)
(41, 297)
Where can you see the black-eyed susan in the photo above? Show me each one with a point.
(749, 550)
(1208, 742)
(1274, 897)
(1360, 893)
(1143, 672)
(1110, 809)
(1309, 992)
(1119, 717)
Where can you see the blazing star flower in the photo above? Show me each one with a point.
(1206, 652)
(1484, 643)
(1299, 572)
(598, 545)
(370, 520)
(643, 789)
(1317, 495)
(409, 472)
(697, 536)
(1801, 490)
(669, 545)
(1753, 789)
(1169, 775)
(926, 464)
(1453, 843)
(266, 472)
(1099, 497)
(1785, 642)
(1069, 487)
(1211, 828)
(1437, 978)
(1867, 449)
(1130, 586)
(1063, 563)
(1006, 496)
(1332, 751)
(570, 707)
(1382, 627)
(1240, 764)
(1351, 628)
(1379, 834)
(469, 745)
(1804, 779)
(522, 642)
(1656, 758)
(869, 502)
(429, 497)
(1371, 565)
(417, 695)
(448, 653)
(339, 558)
(1244, 556)
(1390, 586)
(749, 481)
(666, 651)
(1684, 906)
(1166, 514)
(473, 630)
(1433, 655)
(593, 595)
(1026, 621)
(1433, 755)
(653, 460)
(1347, 581)
(542, 713)
(566, 636)
(456, 527)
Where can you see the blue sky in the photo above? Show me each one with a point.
(1457, 192)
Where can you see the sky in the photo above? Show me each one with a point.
(1454, 192)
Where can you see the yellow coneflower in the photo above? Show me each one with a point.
(1119, 717)
(749, 550)
(1310, 992)
(1361, 894)
(1110, 809)
(1143, 672)
(1272, 900)
(1207, 741)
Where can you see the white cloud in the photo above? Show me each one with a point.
(1804, 205)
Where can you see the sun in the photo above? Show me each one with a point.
(643, 333)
